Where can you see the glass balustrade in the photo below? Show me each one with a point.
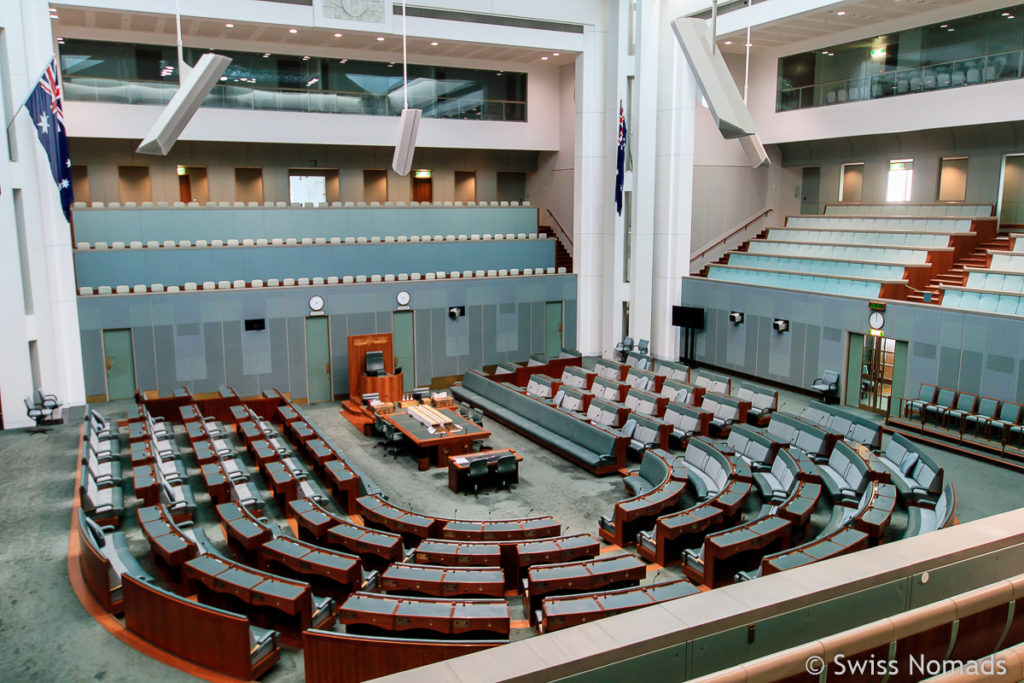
(95, 71)
(973, 50)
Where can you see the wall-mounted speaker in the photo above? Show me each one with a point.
(456, 312)
(182, 107)
(736, 318)
(408, 127)
(780, 325)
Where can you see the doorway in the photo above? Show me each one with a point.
(1011, 193)
(403, 339)
(465, 186)
(511, 186)
(375, 186)
(193, 184)
(851, 182)
(810, 186)
(249, 184)
(553, 329)
(422, 190)
(876, 372)
(120, 364)
(133, 184)
(318, 360)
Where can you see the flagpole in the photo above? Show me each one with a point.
(53, 58)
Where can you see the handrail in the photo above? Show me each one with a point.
(563, 234)
(746, 224)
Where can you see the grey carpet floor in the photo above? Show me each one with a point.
(47, 635)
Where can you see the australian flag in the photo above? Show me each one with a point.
(620, 162)
(47, 111)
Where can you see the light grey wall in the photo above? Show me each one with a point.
(975, 352)
(102, 157)
(982, 145)
(197, 339)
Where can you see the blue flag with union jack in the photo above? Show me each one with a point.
(47, 111)
(620, 161)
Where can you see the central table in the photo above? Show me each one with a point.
(458, 465)
(438, 444)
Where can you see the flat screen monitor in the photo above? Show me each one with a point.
(688, 316)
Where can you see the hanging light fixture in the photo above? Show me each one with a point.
(409, 124)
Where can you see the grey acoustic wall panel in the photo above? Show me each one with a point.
(198, 340)
(973, 352)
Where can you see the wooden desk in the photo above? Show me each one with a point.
(146, 486)
(731, 550)
(189, 412)
(248, 431)
(343, 482)
(443, 582)
(286, 413)
(874, 518)
(501, 530)
(639, 512)
(548, 551)
(318, 452)
(604, 571)
(563, 612)
(170, 546)
(413, 527)
(230, 583)
(447, 617)
(216, 482)
(328, 571)
(300, 432)
(245, 534)
(458, 465)
(843, 541)
(437, 446)
(458, 553)
(673, 533)
(239, 412)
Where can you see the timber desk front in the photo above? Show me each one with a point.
(458, 466)
(446, 617)
(438, 443)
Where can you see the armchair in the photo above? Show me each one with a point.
(827, 385)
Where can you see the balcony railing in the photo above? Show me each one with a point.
(235, 96)
(1003, 66)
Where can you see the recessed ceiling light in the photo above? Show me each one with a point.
(293, 30)
(265, 55)
(380, 39)
(337, 35)
(950, 29)
(305, 58)
(434, 43)
(229, 25)
(343, 61)
(54, 16)
(728, 42)
(544, 59)
(943, 25)
(223, 78)
(555, 54)
(750, 45)
(841, 13)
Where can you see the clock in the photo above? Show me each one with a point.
(876, 320)
(403, 298)
(316, 303)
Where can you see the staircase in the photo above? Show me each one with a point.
(957, 275)
(563, 259)
(725, 258)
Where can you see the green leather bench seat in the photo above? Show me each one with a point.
(583, 443)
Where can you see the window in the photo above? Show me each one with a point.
(851, 182)
(307, 188)
(901, 175)
(952, 179)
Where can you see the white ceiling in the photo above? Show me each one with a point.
(861, 17)
(101, 24)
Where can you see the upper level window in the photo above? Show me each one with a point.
(901, 176)
(983, 48)
(132, 74)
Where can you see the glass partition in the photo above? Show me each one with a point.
(119, 72)
(983, 48)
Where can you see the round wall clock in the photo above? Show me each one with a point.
(876, 320)
(316, 303)
(403, 298)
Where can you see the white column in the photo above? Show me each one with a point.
(673, 184)
(593, 229)
(47, 314)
